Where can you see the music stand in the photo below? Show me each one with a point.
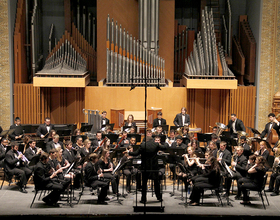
(65, 132)
(34, 160)
(113, 137)
(254, 131)
(86, 128)
(165, 128)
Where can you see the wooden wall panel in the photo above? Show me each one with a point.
(62, 105)
(206, 107)
(171, 100)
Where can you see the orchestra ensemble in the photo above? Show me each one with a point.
(97, 162)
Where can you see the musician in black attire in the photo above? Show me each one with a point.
(94, 178)
(235, 125)
(44, 179)
(148, 153)
(130, 170)
(178, 144)
(210, 179)
(104, 121)
(182, 118)
(223, 155)
(159, 121)
(32, 151)
(17, 135)
(257, 174)
(15, 164)
(238, 164)
(272, 124)
(275, 178)
(3, 149)
(54, 143)
(125, 140)
(44, 129)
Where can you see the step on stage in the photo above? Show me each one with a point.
(14, 203)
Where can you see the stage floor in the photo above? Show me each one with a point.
(13, 203)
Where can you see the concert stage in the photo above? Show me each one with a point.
(14, 203)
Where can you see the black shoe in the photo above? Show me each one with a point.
(237, 197)
(268, 190)
(143, 201)
(102, 203)
(274, 194)
(22, 190)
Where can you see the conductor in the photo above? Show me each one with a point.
(149, 166)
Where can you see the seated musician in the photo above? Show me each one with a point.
(77, 132)
(17, 135)
(196, 147)
(209, 179)
(44, 129)
(171, 138)
(51, 135)
(132, 141)
(158, 131)
(211, 148)
(250, 163)
(124, 140)
(87, 149)
(257, 174)
(275, 178)
(262, 151)
(105, 164)
(3, 150)
(247, 149)
(149, 133)
(55, 143)
(63, 164)
(96, 142)
(159, 120)
(130, 121)
(54, 163)
(133, 130)
(238, 165)
(130, 170)
(191, 138)
(190, 161)
(104, 121)
(215, 139)
(214, 130)
(32, 151)
(182, 118)
(223, 155)
(69, 154)
(185, 132)
(94, 178)
(17, 164)
(178, 144)
(79, 144)
(44, 179)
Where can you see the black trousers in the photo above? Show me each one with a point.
(22, 173)
(155, 177)
(57, 188)
(197, 190)
(104, 187)
(248, 185)
(274, 178)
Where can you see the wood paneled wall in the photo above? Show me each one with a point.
(62, 105)
(171, 100)
(206, 107)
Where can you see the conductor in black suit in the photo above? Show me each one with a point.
(182, 118)
(45, 128)
(149, 164)
(18, 133)
(235, 125)
(159, 121)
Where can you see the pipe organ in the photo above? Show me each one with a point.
(207, 58)
(129, 60)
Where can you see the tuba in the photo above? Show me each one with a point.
(221, 128)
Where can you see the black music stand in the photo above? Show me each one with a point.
(65, 132)
(113, 137)
(165, 128)
(254, 131)
(86, 128)
(34, 160)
